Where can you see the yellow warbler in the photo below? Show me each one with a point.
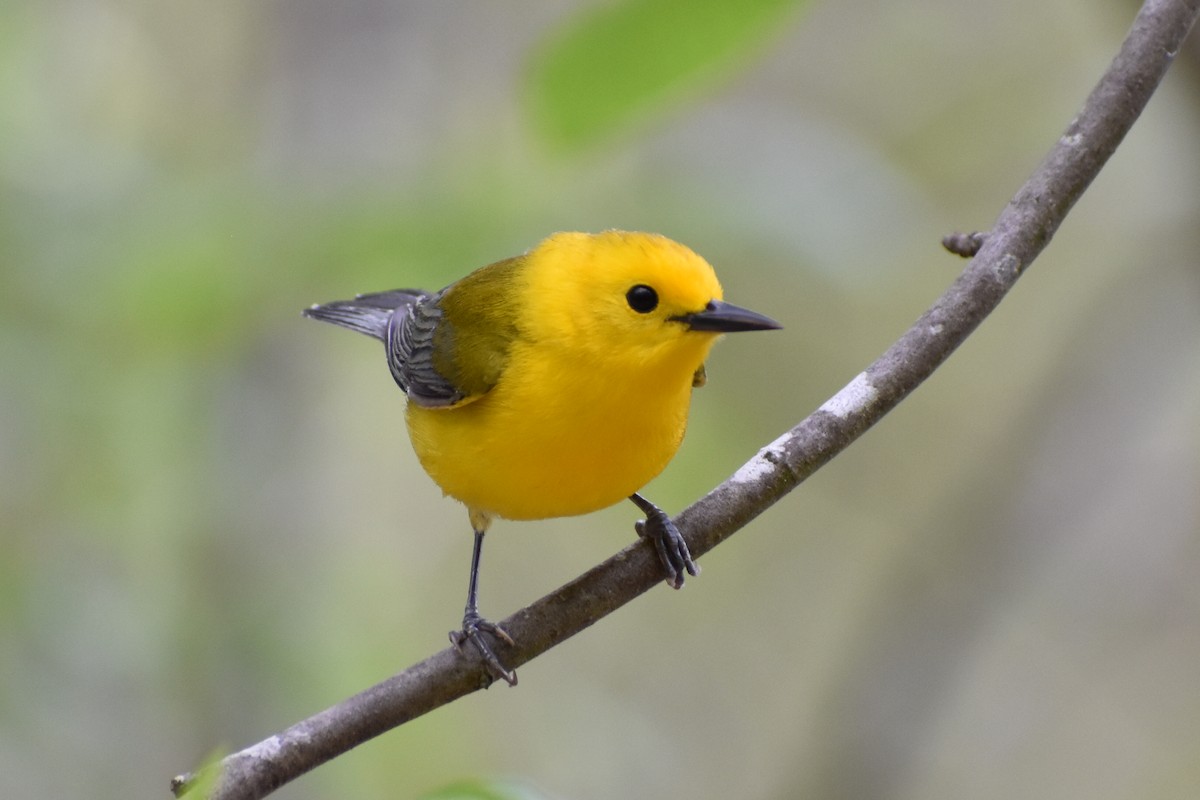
(553, 383)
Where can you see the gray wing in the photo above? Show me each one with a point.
(405, 321)
(409, 345)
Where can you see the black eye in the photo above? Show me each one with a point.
(642, 299)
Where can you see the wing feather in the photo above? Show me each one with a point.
(410, 349)
(405, 321)
(443, 349)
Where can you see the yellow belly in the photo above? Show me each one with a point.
(525, 452)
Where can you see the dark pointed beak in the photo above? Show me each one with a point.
(720, 317)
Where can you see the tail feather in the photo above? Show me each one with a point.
(367, 313)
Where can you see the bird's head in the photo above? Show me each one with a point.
(635, 297)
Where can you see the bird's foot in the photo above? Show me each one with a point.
(668, 542)
(473, 628)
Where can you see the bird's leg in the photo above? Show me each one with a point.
(668, 541)
(474, 626)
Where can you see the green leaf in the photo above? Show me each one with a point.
(623, 61)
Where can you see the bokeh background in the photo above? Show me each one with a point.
(211, 523)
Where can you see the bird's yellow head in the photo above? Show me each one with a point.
(638, 297)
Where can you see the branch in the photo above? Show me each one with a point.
(1023, 229)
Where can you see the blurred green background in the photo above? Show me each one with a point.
(211, 523)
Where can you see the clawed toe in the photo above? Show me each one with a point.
(668, 542)
(472, 631)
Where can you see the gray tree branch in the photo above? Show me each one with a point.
(1020, 233)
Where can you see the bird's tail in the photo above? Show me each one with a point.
(367, 313)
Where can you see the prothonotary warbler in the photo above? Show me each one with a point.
(554, 383)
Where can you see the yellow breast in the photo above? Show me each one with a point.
(557, 436)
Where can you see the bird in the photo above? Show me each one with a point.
(552, 384)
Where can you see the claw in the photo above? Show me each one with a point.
(472, 631)
(668, 542)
